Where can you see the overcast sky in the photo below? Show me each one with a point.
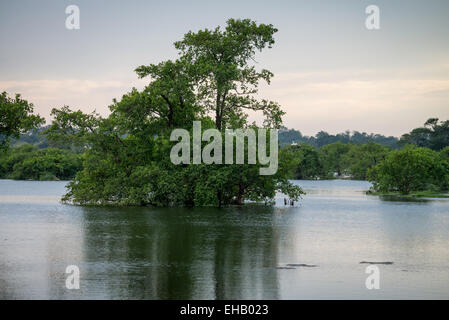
(331, 73)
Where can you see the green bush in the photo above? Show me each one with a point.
(27, 162)
(410, 169)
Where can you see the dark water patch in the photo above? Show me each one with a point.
(372, 262)
(398, 198)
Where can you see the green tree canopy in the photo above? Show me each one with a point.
(444, 153)
(16, 117)
(28, 162)
(332, 158)
(216, 65)
(305, 161)
(362, 157)
(410, 169)
(127, 155)
(434, 135)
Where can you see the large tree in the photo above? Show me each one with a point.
(217, 66)
(127, 158)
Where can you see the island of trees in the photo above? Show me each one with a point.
(416, 164)
(124, 159)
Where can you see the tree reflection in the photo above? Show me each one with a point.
(180, 253)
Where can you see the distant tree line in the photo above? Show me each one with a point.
(322, 138)
(418, 161)
(335, 160)
(38, 137)
(35, 137)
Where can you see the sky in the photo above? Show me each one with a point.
(331, 72)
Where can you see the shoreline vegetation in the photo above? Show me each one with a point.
(48, 163)
(411, 195)
(124, 159)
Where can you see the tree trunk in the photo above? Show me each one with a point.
(219, 198)
(218, 122)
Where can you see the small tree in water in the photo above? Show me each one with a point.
(410, 169)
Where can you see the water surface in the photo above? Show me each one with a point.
(229, 253)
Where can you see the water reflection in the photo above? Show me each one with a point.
(417, 235)
(394, 198)
(144, 253)
(231, 253)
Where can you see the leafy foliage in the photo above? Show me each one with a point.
(434, 135)
(360, 158)
(126, 155)
(225, 82)
(28, 162)
(410, 169)
(444, 153)
(16, 117)
(304, 160)
(333, 160)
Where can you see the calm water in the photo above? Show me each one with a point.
(231, 253)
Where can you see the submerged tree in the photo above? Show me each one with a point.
(127, 157)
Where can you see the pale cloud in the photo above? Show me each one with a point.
(369, 100)
(364, 100)
(83, 94)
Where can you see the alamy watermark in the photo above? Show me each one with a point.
(72, 22)
(73, 279)
(373, 280)
(372, 21)
(212, 152)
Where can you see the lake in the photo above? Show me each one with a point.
(228, 253)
